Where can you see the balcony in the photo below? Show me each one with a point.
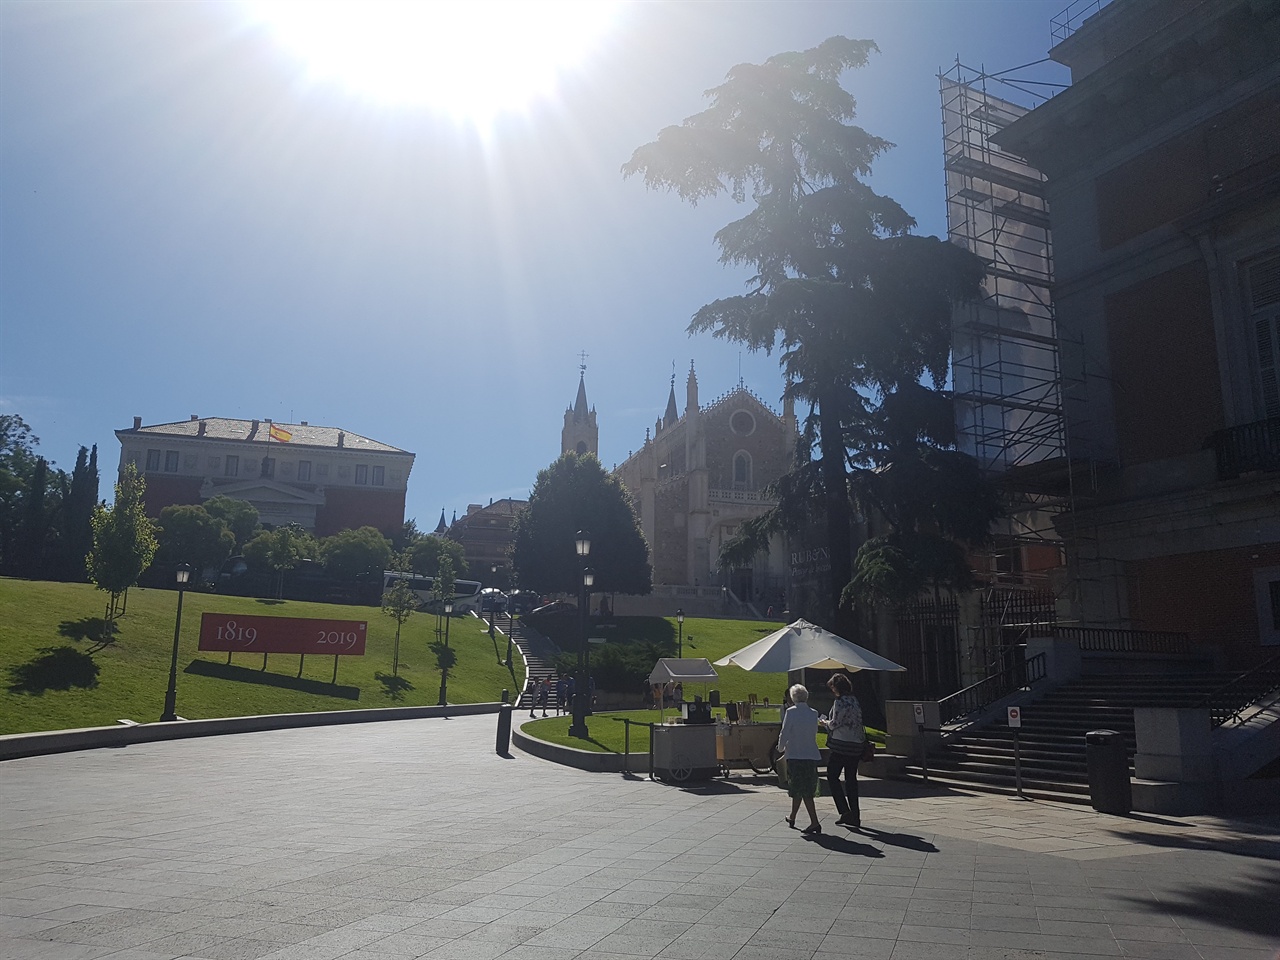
(1247, 448)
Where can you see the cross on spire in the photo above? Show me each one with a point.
(582, 362)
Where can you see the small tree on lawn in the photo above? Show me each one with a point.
(124, 544)
(280, 550)
(399, 602)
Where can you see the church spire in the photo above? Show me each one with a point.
(671, 415)
(580, 434)
(441, 527)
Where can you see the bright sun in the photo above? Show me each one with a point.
(471, 58)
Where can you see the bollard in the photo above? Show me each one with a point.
(504, 730)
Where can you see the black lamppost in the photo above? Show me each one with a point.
(182, 575)
(578, 728)
(680, 623)
(511, 632)
(444, 667)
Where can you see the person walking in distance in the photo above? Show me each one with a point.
(798, 742)
(846, 738)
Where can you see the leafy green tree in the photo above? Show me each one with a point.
(857, 306)
(124, 543)
(240, 516)
(399, 602)
(280, 550)
(188, 534)
(33, 534)
(935, 499)
(76, 519)
(428, 551)
(17, 466)
(573, 494)
(353, 554)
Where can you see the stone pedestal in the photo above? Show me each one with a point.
(904, 737)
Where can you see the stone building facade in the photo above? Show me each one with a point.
(325, 479)
(698, 476)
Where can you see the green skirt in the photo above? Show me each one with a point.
(802, 778)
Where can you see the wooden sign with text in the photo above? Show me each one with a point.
(235, 633)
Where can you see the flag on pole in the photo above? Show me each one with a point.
(278, 432)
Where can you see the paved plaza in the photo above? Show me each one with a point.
(389, 841)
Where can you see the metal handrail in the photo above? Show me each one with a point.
(1230, 700)
(1112, 640)
(990, 689)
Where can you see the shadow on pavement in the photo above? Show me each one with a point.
(905, 840)
(837, 844)
(1249, 904)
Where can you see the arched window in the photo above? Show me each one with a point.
(582, 447)
(742, 470)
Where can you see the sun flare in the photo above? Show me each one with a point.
(473, 59)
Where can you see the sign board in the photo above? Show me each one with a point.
(596, 640)
(234, 633)
(1015, 716)
(918, 710)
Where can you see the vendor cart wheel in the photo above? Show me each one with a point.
(681, 769)
(761, 765)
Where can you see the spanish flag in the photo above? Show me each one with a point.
(280, 433)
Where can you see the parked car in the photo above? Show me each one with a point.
(553, 608)
(493, 599)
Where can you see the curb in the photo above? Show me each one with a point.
(17, 745)
(581, 759)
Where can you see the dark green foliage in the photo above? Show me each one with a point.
(353, 554)
(280, 550)
(240, 516)
(17, 464)
(76, 519)
(124, 542)
(188, 534)
(426, 553)
(858, 308)
(573, 494)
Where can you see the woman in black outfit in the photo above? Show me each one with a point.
(845, 739)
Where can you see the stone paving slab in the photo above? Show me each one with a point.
(391, 841)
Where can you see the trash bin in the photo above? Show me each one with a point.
(1107, 759)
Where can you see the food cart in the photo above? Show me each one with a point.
(684, 748)
(747, 743)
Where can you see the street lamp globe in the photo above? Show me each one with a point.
(588, 578)
(583, 543)
(182, 574)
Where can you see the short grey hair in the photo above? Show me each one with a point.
(799, 693)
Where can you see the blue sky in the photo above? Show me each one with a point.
(189, 225)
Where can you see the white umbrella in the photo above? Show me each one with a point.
(801, 645)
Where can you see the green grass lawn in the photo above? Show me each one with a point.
(55, 674)
(607, 731)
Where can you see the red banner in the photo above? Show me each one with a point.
(240, 634)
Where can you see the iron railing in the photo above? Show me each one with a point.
(1112, 640)
(1230, 700)
(987, 691)
(1247, 447)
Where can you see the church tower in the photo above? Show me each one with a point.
(580, 434)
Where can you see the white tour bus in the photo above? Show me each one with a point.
(466, 593)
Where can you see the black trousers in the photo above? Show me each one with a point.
(845, 793)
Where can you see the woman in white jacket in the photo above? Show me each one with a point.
(798, 742)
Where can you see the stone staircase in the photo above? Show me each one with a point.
(537, 651)
(1052, 735)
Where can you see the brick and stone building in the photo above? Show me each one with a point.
(1163, 189)
(698, 477)
(325, 479)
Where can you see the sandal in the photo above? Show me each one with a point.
(812, 829)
